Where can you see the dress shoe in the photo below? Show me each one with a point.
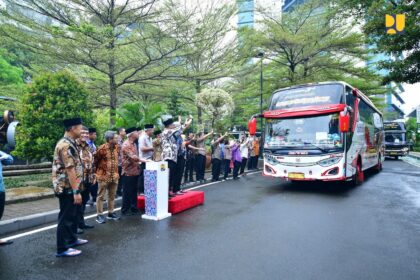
(87, 227)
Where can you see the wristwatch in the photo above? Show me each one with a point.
(76, 191)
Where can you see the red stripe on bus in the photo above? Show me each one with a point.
(304, 111)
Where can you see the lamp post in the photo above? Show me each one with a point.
(261, 56)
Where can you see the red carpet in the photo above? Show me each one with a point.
(180, 202)
(186, 201)
(140, 202)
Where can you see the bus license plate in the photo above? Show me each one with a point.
(296, 176)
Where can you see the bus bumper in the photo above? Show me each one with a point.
(335, 172)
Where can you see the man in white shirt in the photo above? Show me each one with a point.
(145, 151)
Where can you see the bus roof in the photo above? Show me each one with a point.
(361, 94)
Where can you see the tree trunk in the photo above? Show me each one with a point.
(199, 111)
(112, 100)
(112, 85)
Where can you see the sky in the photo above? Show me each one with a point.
(411, 97)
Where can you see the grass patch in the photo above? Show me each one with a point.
(34, 180)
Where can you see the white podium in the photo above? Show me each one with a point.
(156, 181)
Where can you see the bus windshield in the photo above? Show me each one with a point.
(318, 132)
(308, 96)
(394, 137)
(394, 126)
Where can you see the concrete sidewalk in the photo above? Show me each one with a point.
(26, 215)
(415, 155)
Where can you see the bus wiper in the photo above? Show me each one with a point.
(319, 148)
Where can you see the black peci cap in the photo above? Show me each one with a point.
(157, 132)
(92, 130)
(168, 122)
(148, 126)
(130, 130)
(71, 122)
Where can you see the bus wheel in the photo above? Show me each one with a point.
(378, 167)
(396, 157)
(360, 176)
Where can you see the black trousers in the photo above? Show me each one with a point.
(243, 165)
(172, 174)
(2, 203)
(215, 168)
(93, 189)
(67, 222)
(141, 177)
(120, 183)
(129, 194)
(180, 165)
(189, 169)
(226, 168)
(81, 209)
(250, 163)
(236, 167)
(255, 162)
(201, 167)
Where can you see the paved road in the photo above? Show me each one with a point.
(255, 228)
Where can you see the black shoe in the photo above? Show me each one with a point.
(80, 231)
(87, 226)
(100, 219)
(112, 216)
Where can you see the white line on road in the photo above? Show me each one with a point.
(94, 215)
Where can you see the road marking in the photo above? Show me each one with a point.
(105, 212)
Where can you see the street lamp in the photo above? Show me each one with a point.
(261, 56)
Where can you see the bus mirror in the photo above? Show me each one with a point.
(344, 121)
(252, 126)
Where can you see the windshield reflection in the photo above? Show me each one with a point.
(319, 132)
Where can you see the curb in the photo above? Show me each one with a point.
(27, 199)
(414, 156)
(39, 219)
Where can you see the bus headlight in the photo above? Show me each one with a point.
(270, 159)
(329, 161)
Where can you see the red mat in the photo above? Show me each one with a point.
(186, 201)
(179, 203)
(140, 202)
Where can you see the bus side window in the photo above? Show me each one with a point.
(350, 102)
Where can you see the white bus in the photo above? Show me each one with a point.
(326, 131)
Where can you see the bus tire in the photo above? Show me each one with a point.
(359, 177)
(378, 167)
(396, 157)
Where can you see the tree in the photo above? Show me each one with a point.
(404, 47)
(50, 99)
(412, 132)
(9, 74)
(137, 114)
(309, 44)
(11, 81)
(117, 43)
(211, 51)
(310, 41)
(175, 107)
(216, 103)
